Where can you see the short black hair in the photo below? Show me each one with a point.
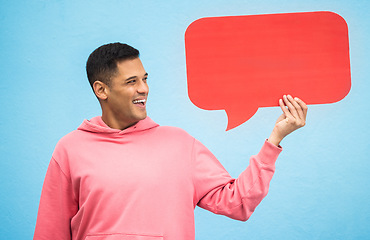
(102, 62)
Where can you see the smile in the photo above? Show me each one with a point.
(139, 101)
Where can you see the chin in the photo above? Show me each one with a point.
(143, 117)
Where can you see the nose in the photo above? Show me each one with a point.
(143, 87)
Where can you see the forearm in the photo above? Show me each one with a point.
(238, 198)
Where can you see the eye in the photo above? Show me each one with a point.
(131, 81)
(145, 79)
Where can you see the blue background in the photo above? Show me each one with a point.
(321, 186)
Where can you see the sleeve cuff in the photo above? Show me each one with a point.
(269, 153)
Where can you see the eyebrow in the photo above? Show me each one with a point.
(133, 77)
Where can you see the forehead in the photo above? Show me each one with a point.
(130, 67)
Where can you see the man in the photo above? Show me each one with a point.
(122, 176)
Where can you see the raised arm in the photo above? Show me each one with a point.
(238, 198)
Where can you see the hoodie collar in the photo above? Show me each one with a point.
(97, 125)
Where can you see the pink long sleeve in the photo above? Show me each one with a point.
(235, 198)
(57, 206)
(141, 183)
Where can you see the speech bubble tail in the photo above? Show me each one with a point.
(238, 117)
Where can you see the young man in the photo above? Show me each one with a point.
(122, 176)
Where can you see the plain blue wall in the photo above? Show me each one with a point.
(321, 186)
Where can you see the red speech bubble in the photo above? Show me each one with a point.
(242, 63)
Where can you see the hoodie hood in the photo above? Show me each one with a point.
(97, 125)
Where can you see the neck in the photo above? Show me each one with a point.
(114, 122)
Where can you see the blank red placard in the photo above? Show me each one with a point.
(241, 63)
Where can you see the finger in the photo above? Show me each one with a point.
(284, 109)
(290, 106)
(297, 107)
(303, 106)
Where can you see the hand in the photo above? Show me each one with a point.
(293, 117)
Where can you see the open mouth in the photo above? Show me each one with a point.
(139, 102)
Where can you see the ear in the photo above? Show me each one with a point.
(100, 90)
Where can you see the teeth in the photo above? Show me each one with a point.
(139, 101)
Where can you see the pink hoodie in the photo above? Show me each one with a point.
(142, 183)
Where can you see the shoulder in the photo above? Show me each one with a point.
(67, 142)
(69, 139)
(173, 132)
(173, 135)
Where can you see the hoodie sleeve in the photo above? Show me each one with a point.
(57, 206)
(235, 198)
